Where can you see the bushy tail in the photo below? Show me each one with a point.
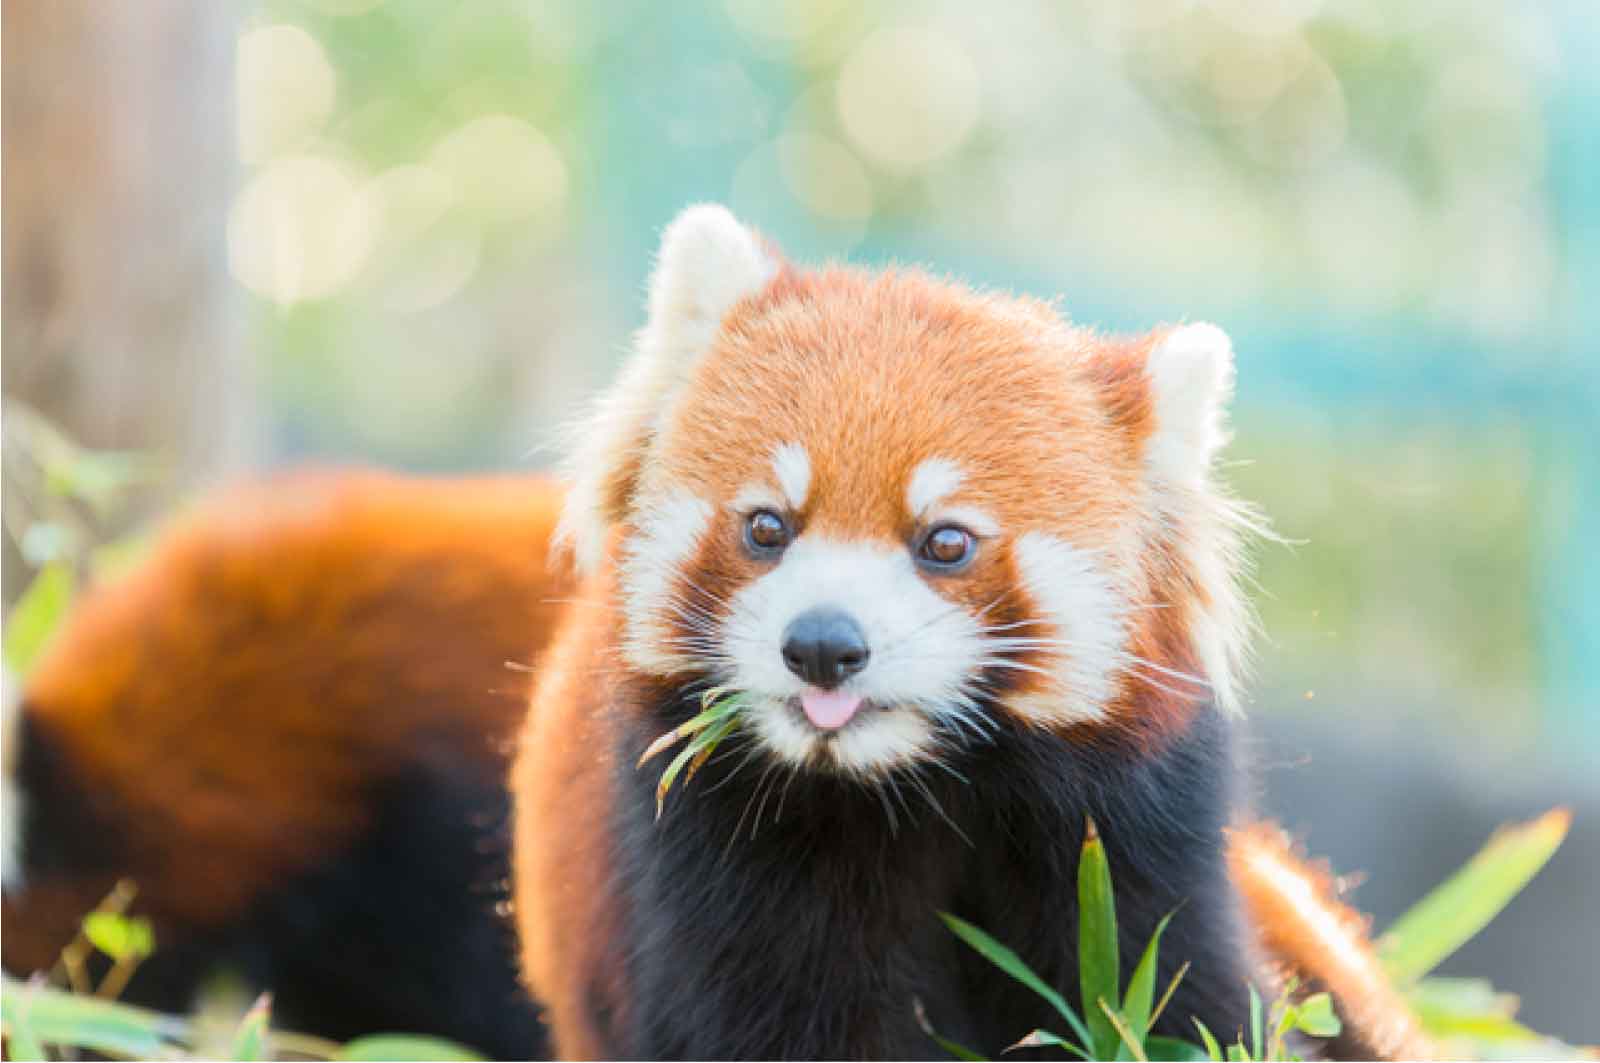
(1303, 926)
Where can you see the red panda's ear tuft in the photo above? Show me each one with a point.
(708, 262)
(1190, 374)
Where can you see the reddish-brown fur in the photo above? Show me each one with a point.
(562, 777)
(284, 644)
(788, 364)
(1068, 455)
(1300, 921)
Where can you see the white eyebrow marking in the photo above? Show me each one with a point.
(932, 482)
(1074, 593)
(754, 496)
(968, 517)
(792, 465)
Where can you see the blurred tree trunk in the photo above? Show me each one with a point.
(119, 166)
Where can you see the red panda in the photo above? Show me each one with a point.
(970, 575)
(289, 727)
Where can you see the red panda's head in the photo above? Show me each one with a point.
(888, 509)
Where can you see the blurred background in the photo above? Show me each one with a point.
(412, 233)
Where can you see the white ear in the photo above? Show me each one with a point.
(1191, 380)
(708, 262)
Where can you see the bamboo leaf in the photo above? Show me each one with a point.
(1176, 1050)
(715, 734)
(1257, 1044)
(1464, 903)
(1166, 998)
(61, 1018)
(1099, 972)
(1012, 964)
(692, 755)
(1120, 1024)
(37, 615)
(1472, 1009)
(959, 1051)
(1315, 1016)
(20, 1040)
(1142, 986)
(250, 1039)
(705, 718)
(1046, 1039)
(119, 936)
(405, 1047)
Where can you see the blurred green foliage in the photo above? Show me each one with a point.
(1412, 565)
(63, 1014)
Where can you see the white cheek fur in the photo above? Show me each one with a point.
(925, 653)
(1081, 603)
(670, 531)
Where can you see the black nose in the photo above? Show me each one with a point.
(825, 647)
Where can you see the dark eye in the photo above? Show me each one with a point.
(947, 547)
(765, 533)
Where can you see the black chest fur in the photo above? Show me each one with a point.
(778, 915)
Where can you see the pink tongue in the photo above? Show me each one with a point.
(829, 709)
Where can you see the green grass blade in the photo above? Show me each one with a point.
(664, 784)
(250, 1039)
(1166, 997)
(1142, 986)
(1176, 1050)
(713, 737)
(1099, 973)
(37, 615)
(119, 936)
(956, 1050)
(1129, 1040)
(1207, 1038)
(60, 1018)
(1464, 903)
(717, 706)
(405, 1047)
(1471, 1009)
(1046, 1039)
(1489, 1035)
(1012, 964)
(1257, 1040)
(21, 1042)
(1315, 1016)
(693, 755)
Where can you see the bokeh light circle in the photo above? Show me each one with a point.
(908, 97)
(286, 89)
(503, 168)
(301, 230)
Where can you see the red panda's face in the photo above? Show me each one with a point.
(886, 509)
